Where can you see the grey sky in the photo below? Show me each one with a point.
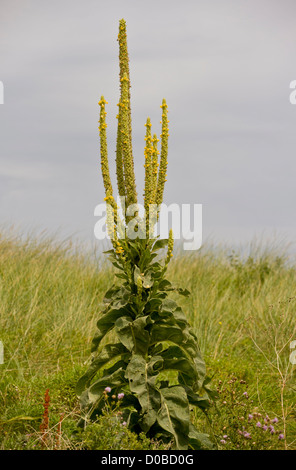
(224, 67)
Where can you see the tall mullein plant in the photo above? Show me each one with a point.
(156, 361)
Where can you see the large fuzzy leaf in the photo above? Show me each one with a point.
(105, 324)
(201, 401)
(173, 415)
(142, 377)
(132, 333)
(153, 304)
(109, 352)
(165, 332)
(175, 359)
(184, 337)
(191, 347)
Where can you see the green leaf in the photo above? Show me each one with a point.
(117, 265)
(165, 285)
(169, 306)
(105, 324)
(153, 305)
(122, 298)
(95, 392)
(173, 415)
(121, 276)
(175, 359)
(186, 340)
(201, 401)
(180, 317)
(208, 389)
(165, 332)
(109, 352)
(137, 274)
(192, 348)
(146, 258)
(159, 244)
(147, 281)
(142, 376)
(198, 440)
(184, 292)
(133, 334)
(121, 364)
(111, 293)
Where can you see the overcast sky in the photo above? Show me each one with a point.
(224, 67)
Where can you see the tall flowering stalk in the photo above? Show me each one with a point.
(156, 365)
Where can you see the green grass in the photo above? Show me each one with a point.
(243, 312)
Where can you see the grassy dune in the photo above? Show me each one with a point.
(243, 312)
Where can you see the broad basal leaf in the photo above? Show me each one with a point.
(173, 415)
(142, 377)
(174, 358)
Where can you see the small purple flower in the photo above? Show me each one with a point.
(275, 420)
(120, 396)
(108, 389)
(225, 436)
(265, 427)
(247, 435)
(259, 425)
(245, 394)
(271, 428)
(124, 423)
(223, 441)
(281, 436)
(250, 417)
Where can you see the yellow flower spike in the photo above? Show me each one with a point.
(139, 288)
(163, 155)
(154, 169)
(110, 224)
(148, 170)
(126, 146)
(104, 151)
(124, 156)
(119, 157)
(170, 247)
